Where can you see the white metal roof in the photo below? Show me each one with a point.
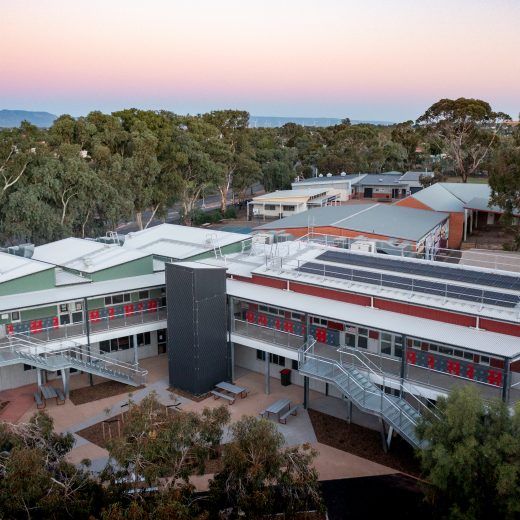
(76, 292)
(87, 256)
(299, 193)
(179, 242)
(451, 196)
(12, 267)
(464, 337)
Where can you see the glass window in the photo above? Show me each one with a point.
(126, 297)
(144, 295)
(260, 354)
(484, 360)
(124, 343)
(296, 316)
(108, 300)
(117, 298)
(64, 307)
(288, 208)
(79, 306)
(15, 316)
(64, 319)
(277, 360)
(77, 317)
(295, 364)
(104, 346)
(143, 339)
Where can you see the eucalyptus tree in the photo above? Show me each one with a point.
(464, 129)
(236, 152)
(191, 161)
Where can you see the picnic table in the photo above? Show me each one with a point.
(277, 407)
(49, 392)
(232, 389)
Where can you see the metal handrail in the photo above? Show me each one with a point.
(92, 323)
(443, 252)
(380, 373)
(72, 353)
(445, 291)
(270, 329)
(383, 396)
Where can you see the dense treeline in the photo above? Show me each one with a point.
(83, 176)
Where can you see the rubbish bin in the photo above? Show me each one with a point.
(285, 376)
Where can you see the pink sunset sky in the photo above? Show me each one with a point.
(371, 59)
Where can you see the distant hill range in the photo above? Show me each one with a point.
(268, 121)
(13, 118)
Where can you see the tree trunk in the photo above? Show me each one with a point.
(139, 219)
(223, 198)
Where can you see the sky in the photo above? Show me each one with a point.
(371, 59)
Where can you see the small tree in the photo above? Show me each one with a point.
(473, 460)
(465, 129)
(261, 477)
(156, 444)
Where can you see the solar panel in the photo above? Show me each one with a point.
(458, 292)
(418, 269)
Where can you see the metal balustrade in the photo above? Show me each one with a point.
(101, 324)
(40, 354)
(267, 334)
(361, 390)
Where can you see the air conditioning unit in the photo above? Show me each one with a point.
(264, 238)
(365, 246)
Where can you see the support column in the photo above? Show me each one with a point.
(326, 389)
(506, 385)
(39, 377)
(305, 392)
(231, 347)
(65, 374)
(403, 364)
(136, 354)
(349, 410)
(267, 374)
(465, 223)
(87, 330)
(383, 433)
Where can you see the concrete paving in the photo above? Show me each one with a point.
(331, 463)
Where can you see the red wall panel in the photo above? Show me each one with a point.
(425, 312)
(510, 329)
(330, 294)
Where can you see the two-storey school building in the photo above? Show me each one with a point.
(388, 335)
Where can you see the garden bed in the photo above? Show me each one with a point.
(364, 442)
(87, 394)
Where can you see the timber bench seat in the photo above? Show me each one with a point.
(40, 403)
(61, 397)
(291, 411)
(218, 395)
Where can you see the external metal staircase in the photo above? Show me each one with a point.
(363, 385)
(53, 357)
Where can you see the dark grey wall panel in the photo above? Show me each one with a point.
(197, 331)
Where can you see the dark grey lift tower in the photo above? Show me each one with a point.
(198, 355)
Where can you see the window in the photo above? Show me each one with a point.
(271, 310)
(115, 344)
(295, 364)
(386, 344)
(319, 321)
(143, 339)
(15, 316)
(277, 360)
(362, 338)
(64, 307)
(77, 317)
(28, 367)
(288, 208)
(296, 316)
(391, 345)
(79, 306)
(445, 350)
(484, 360)
(115, 299)
(270, 207)
(144, 295)
(273, 358)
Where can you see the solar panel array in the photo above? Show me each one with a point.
(404, 283)
(424, 269)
